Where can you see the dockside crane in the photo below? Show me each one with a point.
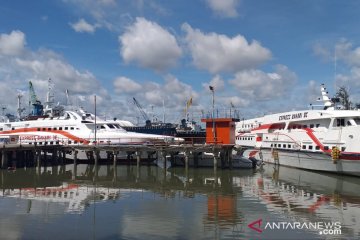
(37, 109)
(142, 112)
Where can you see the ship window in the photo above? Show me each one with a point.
(51, 143)
(343, 149)
(69, 142)
(60, 128)
(13, 128)
(304, 147)
(284, 145)
(304, 126)
(44, 129)
(71, 128)
(311, 125)
(326, 147)
(77, 128)
(348, 123)
(102, 127)
(317, 125)
(38, 129)
(40, 143)
(55, 128)
(357, 121)
(49, 129)
(294, 127)
(289, 146)
(317, 148)
(271, 145)
(340, 122)
(310, 147)
(75, 142)
(66, 128)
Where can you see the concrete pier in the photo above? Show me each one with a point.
(195, 155)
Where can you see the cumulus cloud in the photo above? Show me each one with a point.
(124, 84)
(83, 26)
(12, 44)
(259, 85)
(149, 45)
(217, 82)
(220, 53)
(224, 8)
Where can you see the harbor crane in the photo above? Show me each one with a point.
(142, 112)
(34, 101)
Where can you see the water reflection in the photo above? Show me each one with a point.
(121, 202)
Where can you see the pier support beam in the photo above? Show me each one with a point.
(115, 153)
(187, 159)
(4, 159)
(215, 160)
(75, 165)
(137, 153)
(163, 155)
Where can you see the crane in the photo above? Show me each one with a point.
(33, 100)
(142, 112)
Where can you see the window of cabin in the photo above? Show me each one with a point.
(49, 129)
(271, 145)
(55, 128)
(39, 129)
(12, 128)
(69, 142)
(66, 128)
(60, 128)
(71, 128)
(310, 147)
(303, 146)
(317, 147)
(284, 145)
(289, 146)
(317, 125)
(304, 126)
(326, 147)
(311, 125)
(340, 122)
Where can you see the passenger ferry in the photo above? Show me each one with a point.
(75, 128)
(324, 140)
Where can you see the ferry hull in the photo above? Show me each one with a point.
(307, 160)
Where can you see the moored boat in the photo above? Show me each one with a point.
(323, 140)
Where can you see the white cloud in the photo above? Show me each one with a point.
(217, 82)
(12, 44)
(124, 84)
(219, 53)
(149, 45)
(258, 85)
(224, 8)
(83, 26)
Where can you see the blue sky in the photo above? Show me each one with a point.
(261, 56)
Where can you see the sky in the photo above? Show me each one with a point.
(260, 56)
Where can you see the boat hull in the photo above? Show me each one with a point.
(307, 160)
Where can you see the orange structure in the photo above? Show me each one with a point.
(220, 130)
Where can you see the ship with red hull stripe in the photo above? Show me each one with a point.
(322, 140)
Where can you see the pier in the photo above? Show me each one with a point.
(17, 155)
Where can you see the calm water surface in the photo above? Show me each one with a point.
(124, 202)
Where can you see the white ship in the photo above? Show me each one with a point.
(323, 140)
(55, 126)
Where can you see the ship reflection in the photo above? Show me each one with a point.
(222, 199)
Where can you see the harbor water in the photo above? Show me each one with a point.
(126, 202)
